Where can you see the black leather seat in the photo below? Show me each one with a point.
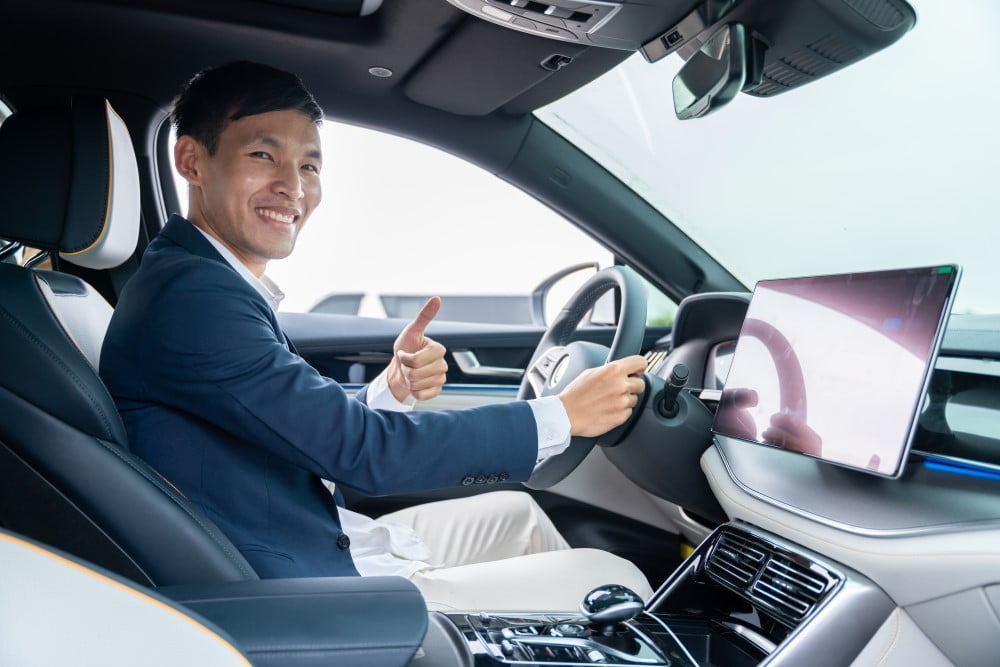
(69, 184)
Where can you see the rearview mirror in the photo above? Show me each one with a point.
(714, 75)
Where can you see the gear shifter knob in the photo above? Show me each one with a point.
(607, 606)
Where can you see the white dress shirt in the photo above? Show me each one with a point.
(381, 548)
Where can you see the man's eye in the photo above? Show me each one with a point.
(311, 167)
(264, 155)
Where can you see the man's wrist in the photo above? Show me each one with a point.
(553, 425)
(381, 397)
(394, 381)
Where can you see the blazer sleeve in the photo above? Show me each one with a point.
(214, 351)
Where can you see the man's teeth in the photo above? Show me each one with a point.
(274, 215)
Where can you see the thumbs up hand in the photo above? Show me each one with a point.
(418, 368)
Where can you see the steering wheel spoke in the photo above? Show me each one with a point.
(541, 370)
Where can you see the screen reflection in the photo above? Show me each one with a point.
(835, 366)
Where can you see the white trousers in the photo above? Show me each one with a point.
(500, 552)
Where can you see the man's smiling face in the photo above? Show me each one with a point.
(258, 189)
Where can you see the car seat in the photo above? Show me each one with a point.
(69, 184)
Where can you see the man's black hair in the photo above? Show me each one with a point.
(218, 95)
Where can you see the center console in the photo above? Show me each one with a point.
(560, 639)
(744, 597)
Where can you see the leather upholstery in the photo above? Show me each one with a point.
(67, 476)
(317, 622)
(82, 312)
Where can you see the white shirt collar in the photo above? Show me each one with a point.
(264, 285)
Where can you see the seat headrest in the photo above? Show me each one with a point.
(69, 182)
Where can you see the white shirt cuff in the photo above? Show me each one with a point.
(553, 426)
(379, 397)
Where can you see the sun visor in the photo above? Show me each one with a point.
(480, 68)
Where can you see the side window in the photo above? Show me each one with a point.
(401, 221)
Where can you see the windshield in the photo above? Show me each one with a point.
(892, 162)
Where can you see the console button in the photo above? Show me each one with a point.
(560, 12)
(569, 630)
(558, 33)
(497, 13)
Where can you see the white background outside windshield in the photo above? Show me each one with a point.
(892, 162)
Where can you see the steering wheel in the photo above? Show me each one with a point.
(556, 361)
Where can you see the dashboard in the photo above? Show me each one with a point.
(929, 540)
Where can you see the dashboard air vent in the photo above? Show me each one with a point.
(785, 584)
(735, 561)
(790, 588)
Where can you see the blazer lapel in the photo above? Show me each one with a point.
(186, 235)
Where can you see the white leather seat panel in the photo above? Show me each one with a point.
(55, 611)
(83, 314)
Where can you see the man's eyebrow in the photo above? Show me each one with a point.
(270, 140)
(266, 139)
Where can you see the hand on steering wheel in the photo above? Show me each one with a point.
(596, 383)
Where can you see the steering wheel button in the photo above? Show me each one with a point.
(497, 13)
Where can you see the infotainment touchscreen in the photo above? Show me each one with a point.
(836, 367)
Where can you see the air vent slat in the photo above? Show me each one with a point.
(738, 574)
(814, 584)
(787, 604)
(735, 561)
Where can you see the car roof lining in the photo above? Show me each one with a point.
(439, 56)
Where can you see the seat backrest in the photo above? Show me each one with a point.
(69, 184)
(56, 610)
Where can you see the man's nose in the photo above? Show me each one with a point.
(289, 182)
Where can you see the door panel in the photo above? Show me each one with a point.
(353, 349)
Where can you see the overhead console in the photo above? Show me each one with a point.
(611, 24)
(759, 47)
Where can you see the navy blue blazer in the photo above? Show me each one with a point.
(215, 398)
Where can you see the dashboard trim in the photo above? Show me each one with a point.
(965, 365)
(936, 529)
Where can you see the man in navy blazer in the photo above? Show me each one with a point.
(214, 396)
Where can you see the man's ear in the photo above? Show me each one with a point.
(187, 159)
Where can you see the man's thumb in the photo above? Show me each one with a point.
(425, 315)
